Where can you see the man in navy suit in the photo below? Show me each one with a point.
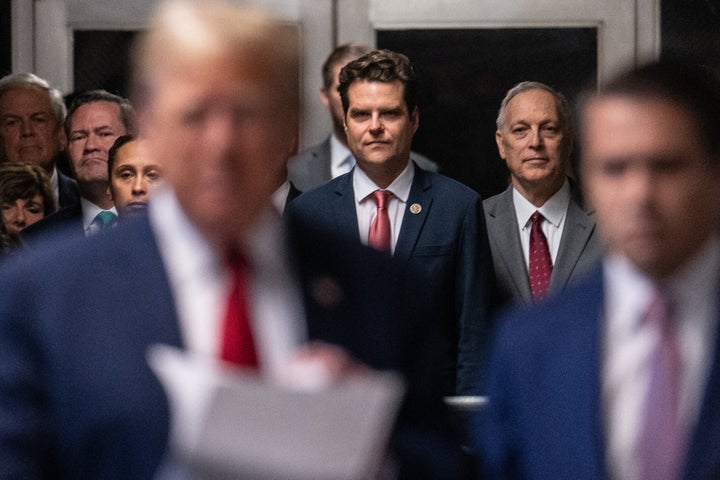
(31, 120)
(220, 111)
(331, 158)
(620, 376)
(436, 224)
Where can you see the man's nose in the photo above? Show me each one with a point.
(376, 125)
(26, 129)
(535, 138)
(91, 143)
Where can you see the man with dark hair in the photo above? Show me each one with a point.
(95, 119)
(31, 119)
(541, 235)
(331, 158)
(432, 222)
(620, 376)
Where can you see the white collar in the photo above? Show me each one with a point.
(400, 187)
(554, 209)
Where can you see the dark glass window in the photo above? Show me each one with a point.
(5, 38)
(464, 75)
(101, 60)
(690, 30)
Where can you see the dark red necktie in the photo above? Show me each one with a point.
(237, 344)
(379, 236)
(540, 267)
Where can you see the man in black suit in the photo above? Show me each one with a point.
(31, 119)
(220, 111)
(95, 120)
(331, 158)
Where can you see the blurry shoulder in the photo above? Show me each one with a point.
(562, 316)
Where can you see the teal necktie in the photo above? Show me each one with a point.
(104, 220)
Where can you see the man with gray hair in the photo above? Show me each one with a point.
(31, 119)
(541, 236)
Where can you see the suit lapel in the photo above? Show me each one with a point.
(412, 224)
(344, 210)
(504, 235)
(703, 458)
(576, 234)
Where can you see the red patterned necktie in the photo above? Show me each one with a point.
(540, 267)
(237, 344)
(662, 437)
(379, 236)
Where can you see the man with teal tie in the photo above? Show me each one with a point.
(95, 119)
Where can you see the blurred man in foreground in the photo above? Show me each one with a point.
(211, 268)
(620, 376)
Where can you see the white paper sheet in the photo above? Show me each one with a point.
(227, 423)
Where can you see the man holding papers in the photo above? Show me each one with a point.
(212, 270)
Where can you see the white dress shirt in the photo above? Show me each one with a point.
(341, 159)
(628, 342)
(55, 185)
(200, 285)
(89, 212)
(554, 211)
(367, 208)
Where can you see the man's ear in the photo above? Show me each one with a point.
(499, 142)
(324, 97)
(415, 119)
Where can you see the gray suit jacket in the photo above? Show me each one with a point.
(311, 167)
(580, 247)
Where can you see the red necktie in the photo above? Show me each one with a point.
(237, 344)
(662, 438)
(379, 236)
(540, 266)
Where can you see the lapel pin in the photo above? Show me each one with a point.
(415, 208)
(327, 292)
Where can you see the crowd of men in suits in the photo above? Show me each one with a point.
(583, 309)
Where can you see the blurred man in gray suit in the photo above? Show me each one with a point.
(331, 158)
(540, 234)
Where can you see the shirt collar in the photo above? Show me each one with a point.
(175, 233)
(54, 184)
(630, 291)
(280, 196)
(90, 210)
(400, 187)
(340, 155)
(554, 209)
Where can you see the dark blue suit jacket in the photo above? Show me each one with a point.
(544, 418)
(66, 221)
(77, 399)
(445, 242)
(67, 191)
